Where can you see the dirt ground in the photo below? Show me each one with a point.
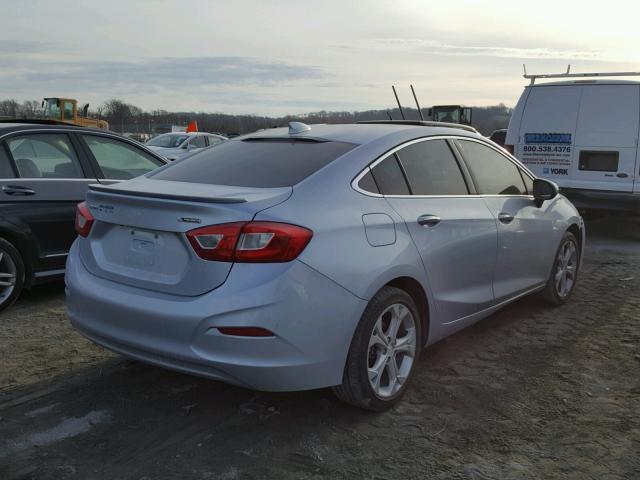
(529, 393)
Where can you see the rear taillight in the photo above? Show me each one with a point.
(84, 219)
(509, 148)
(250, 242)
(271, 242)
(217, 242)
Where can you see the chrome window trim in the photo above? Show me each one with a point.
(384, 156)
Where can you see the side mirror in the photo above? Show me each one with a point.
(186, 146)
(543, 190)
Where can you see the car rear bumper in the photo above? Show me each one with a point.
(602, 199)
(312, 317)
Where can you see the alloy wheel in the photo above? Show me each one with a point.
(392, 350)
(7, 275)
(566, 268)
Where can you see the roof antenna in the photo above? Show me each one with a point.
(389, 115)
(417, 104)
(397, 100)
(568, 69)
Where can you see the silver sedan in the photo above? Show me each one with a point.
(318, 256)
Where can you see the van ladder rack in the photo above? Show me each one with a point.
(568, 74)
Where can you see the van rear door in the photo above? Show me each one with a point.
(606, 137)
(547, 131)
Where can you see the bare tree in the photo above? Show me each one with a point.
(9, 108)
(125, 117)
(30, 109)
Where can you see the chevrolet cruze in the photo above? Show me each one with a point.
(322, 256)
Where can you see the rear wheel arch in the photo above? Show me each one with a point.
(419, 296)
(575, 229)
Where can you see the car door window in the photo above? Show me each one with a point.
(432, 169)
(6, 170)
(198, 142)
(389, 177)
(492, 172)
(214, 140)
(119, 160)
(45, 155)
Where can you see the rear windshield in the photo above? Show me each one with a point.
(250, 163)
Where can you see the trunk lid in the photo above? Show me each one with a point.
(138, 237)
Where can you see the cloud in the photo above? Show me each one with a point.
(21, 47)
(434, 47)
(154, 74)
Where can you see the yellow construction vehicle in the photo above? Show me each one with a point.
(451, 114)
(66, 110)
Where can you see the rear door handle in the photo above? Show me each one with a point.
(17, 190)
(505, 217)
(428, 220)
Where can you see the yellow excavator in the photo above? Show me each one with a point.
(66, 110)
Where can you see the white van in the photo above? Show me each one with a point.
(583, 135)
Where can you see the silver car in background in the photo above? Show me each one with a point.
(322, 256)
(174, 146)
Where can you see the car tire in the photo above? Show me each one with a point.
(377, 352)
(11, 274)
(564, 273)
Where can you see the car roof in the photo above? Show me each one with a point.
(191, 134)
(586, 82)
(361, 133)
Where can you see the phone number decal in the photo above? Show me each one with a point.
(546, 149)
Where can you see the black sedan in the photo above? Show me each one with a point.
(44, 173)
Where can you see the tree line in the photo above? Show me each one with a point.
(127, 118)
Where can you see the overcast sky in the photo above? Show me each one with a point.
(276, 57)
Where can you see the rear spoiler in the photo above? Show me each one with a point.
(165, 196)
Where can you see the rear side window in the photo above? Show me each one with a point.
(119, 160)
(45, 155)
(596, 161)
(432, 169)
(368, 184)
(213, 140)
(492, 172)
(6, 171)
(261, 163)
(389, 177)
(198, 142)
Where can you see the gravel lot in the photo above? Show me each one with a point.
(528, 393)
